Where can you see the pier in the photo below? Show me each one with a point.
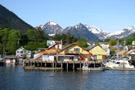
(60, 65)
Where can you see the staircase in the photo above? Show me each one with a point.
(37, 56)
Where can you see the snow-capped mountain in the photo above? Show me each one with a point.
(51, 28)
(114, 35)
(80, 30)
(97, 31)
(89, 32)
(122, 34)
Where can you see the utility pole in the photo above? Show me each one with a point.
(118, 48)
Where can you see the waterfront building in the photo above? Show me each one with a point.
(49, 53)
(98, 52)
(73, 52)
(10, 60)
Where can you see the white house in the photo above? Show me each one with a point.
(104, 45)
(21, 52)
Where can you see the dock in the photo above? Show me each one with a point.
(2, 63)
(121, 69)
(60, 65)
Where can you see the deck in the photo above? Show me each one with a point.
(60, 65)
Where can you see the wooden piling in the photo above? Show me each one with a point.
(61, 64)
(53, 64)
(73, 65)
(80, 64)
(67, 65)
(45, 63)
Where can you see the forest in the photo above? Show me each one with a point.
(11, 40)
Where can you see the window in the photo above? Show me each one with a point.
(77, 49)
(71, 58)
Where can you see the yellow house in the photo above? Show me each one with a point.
(98, 52)
(73, 52)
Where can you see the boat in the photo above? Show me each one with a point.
(85, 67)
(121, 63)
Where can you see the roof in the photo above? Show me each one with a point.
(122, 52)
(49, 48)
(20, 48)
(52, 51)
(42, 48)
(132, 50)
(10, 57)
(117, 46)
(72, 45)
(97, 45)
(89, 47)
(104, 43)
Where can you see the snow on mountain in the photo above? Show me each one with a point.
(51, 23)
(113, 35)
(93, 29)
(81, 30)
(122, 34)
(97, 31)
(51, 28)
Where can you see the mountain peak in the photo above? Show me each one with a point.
(51, 23)
(51, 28)
(131, 28)
(79, 25)
(12, 21)
(80, 30)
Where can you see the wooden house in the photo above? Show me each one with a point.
(49, 53)
(98, 52)
(73, 52)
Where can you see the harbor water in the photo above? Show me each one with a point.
(16, 78)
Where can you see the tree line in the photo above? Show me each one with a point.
(127, 41)
(11, 40)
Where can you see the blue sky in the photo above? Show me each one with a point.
(109, 15)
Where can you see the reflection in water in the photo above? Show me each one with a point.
(15, 78)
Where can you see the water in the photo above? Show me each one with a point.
(15, 78)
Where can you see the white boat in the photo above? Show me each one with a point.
(85, 67)
(118, 64)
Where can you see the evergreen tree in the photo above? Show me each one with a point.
(112, 42)
(12, 43)
(129, 40)
(82, 42)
